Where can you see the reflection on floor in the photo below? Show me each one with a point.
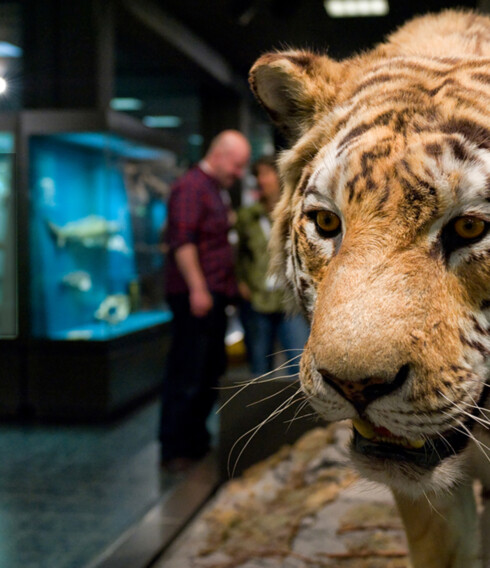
(95, 496)
(67, 493)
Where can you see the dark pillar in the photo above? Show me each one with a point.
(68, 53)
(220, 110)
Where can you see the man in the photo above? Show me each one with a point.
(200, 283)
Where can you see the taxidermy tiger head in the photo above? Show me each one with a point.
(382, 235)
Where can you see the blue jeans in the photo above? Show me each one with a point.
(263, 330)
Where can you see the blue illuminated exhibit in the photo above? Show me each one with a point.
(89, 256)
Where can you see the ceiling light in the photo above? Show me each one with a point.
(162, 121)
(3, 85)
(126, 103)
(9, 50)
(356, 8)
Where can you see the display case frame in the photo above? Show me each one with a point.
(12, 351)
(77, 379)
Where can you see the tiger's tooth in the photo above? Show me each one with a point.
(416, 444)
(364, 428)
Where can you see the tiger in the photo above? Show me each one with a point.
(382, 236)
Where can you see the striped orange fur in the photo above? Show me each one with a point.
(382, 236)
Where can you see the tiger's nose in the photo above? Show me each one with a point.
(364, 391)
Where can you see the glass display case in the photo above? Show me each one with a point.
(92, 324)
(98, 206)
(8, 291)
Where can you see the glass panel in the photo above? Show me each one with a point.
(8, 288)
(95, 229)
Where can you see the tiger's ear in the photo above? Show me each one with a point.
(294, 86)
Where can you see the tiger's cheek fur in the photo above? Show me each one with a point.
(309, 264)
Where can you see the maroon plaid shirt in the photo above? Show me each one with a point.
(198, 215)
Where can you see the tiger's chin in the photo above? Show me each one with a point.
(411, 467)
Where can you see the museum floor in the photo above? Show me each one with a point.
(95, 496)
(70, 497)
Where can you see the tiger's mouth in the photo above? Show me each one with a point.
(378, 442)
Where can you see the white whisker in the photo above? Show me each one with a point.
(304, 403)
(479, 443)
(463, 429)
(255, 381)
(446, 442)
(288, 351)
(288, 386)
(253, 431)
(303, 416)
(432, 507)
(476, 406)
(466, 413)
(258, 380)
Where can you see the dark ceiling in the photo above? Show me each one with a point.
(243, 29)
(233, 34)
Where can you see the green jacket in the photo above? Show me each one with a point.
(253, 259)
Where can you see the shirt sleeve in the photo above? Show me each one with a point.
(184, 214)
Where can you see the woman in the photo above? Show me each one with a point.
(264, 319)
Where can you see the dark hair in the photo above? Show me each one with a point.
(270, 161)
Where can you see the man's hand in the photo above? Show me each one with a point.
(200, 298)
(201, 302)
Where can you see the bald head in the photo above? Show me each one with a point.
(228, 156)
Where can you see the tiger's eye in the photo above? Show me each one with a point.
(327, 221)
(469, 227)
